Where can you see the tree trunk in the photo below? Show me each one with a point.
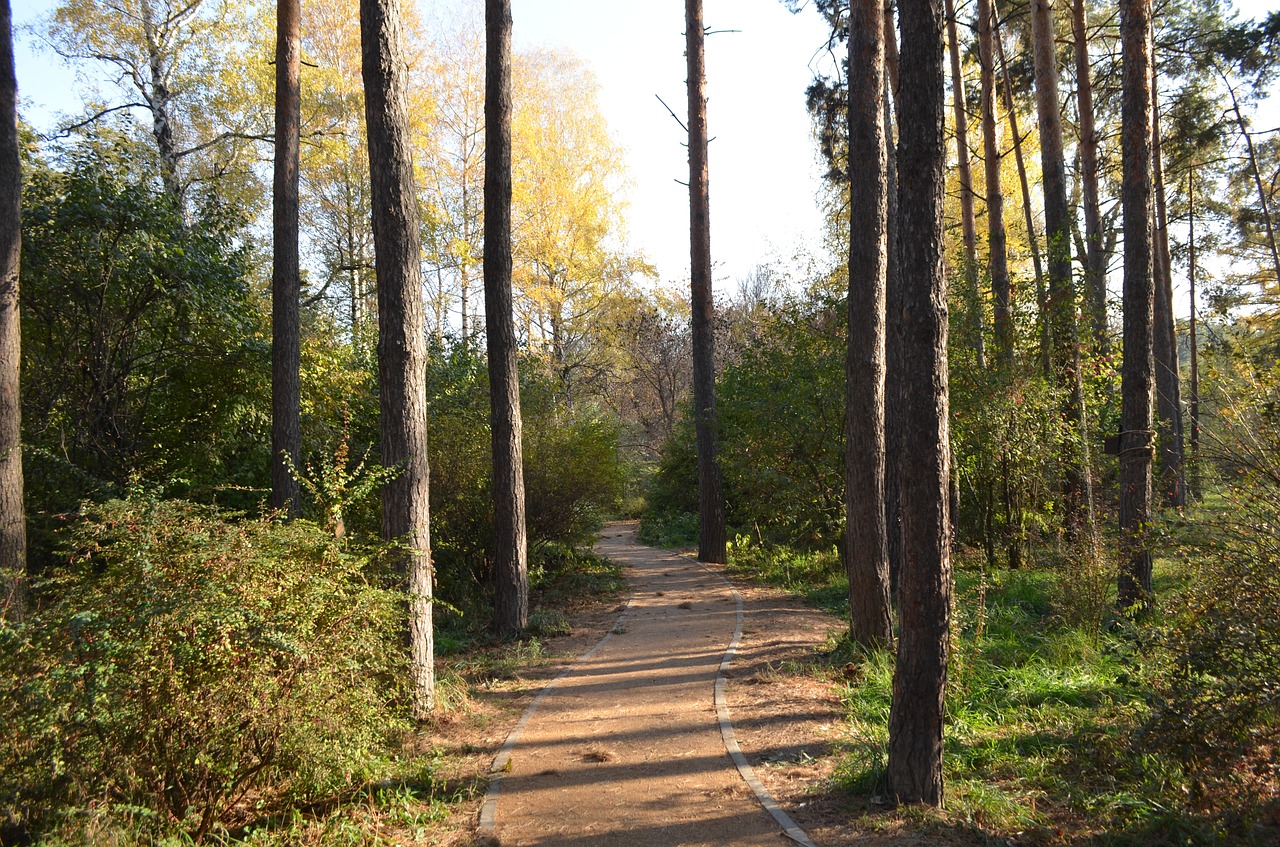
(919, 680)
(895, 365)
(1042, 300)
(1063, 326)
(401, 336)
(1194, 341)
(1164, 343)
(1136, 385)
(711, 532)
(967, 218)
(286, 285)
(866, 553)
(1095, 261)
(510, 556)
(13, 528)
(997, 241)
(1263, 205)
(159, 102)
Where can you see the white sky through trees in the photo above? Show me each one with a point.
(764, 170)
(765, 174)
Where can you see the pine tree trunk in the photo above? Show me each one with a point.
(997, 240)
(1063, 326)
(1268, 225)
(1164, 343)
(968, 223)
(866, 554)
(13, 531)
(510, 556)
(402, 355)
(1095, 263)
(919, 680)
(895, 365)
(286, 285)
(1042, 299)
(1194, 342)
(711, 533)
(1136, 386)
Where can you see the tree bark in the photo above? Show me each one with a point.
(286, 284)
(1164, 342)
(866, 553)
(1063, 325)
(895, 365)
(1042, 300)
(1095, 261)
(919, 681)
(711, 532)
(997, 240)
(968, 223)
(511, 568)
(13, 528)
(159, 102)
(401, 331)
(1194, 341)
(1136, 382)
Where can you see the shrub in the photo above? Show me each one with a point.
(190, 670)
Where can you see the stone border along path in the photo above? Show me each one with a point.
(621, 748)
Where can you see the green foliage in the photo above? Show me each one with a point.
(1221, 695)
(190, 670)
(1006, 432)
(781, 410)
(143, 345)
(572, 470)
(780, 405)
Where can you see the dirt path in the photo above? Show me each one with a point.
(627, 748)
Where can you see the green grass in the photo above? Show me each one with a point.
(1044, 710)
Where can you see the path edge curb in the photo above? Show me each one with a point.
(487, 824)
(790, 828)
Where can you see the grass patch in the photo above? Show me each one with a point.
(1049, 703)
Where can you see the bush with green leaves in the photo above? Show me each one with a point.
(1221, 693)
(780, 406)
(190, 670)
(573, 474)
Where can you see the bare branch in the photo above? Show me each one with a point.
(673, 114)
(65, 131)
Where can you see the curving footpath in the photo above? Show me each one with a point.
(633, 744)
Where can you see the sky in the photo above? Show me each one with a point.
(764, 171)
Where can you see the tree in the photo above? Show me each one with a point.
(164, 53)
(401, 336)
(13, 532)
(1164, 341)
(967, 218)
(711, 532)
(1136, 386)
(1028, 218)
(568, 224)
(511, 570)
(865, 547)
(998, 260)
(1095, 263)
(1077, 488)
(140, 333)
(454, 168)
(286, 278)
(919, 679)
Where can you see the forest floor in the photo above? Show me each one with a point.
(626, 746)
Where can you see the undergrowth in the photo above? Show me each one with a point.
(1052, 708)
